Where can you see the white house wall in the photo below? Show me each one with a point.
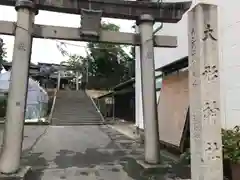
(229, 44)
(138, 92)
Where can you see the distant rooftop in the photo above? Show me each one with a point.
(174, 66)
(50, 64)
(8, 65)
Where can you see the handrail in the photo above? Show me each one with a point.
(98, 110)
(53, 106)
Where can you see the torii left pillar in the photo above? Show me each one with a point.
(151, 142)
(13, 133)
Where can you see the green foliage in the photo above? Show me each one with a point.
(109, 60)
(103, 60)
(3, 53)
(110, 27)
(74, 62)
(231, 144)
(3, 105)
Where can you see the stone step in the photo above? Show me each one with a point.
(68, 118)
(79, 114)
(78, 124)
(60, 109)
(79, 100)
(75, 109)
(76, 120)
(60, 114)
(79, 108)
(75, 117)
(82, 122)
(74, 103)
(74, 106)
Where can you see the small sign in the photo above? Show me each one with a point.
(109, 101)
(90, 22)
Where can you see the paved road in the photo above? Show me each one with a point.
(82, 152)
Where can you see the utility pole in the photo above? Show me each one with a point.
(13, 133)
(87, 66)
(152, 150)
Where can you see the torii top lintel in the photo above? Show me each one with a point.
(164, 12)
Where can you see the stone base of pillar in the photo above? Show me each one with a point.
(22, 174)
(161, 167)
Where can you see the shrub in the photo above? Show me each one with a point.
(231, 144)
(3, 105)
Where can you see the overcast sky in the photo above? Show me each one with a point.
(44, 50)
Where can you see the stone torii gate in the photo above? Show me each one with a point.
(24, 30)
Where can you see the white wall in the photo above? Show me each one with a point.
(138, 92)
(229, 39)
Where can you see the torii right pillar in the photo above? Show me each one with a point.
(204, 86)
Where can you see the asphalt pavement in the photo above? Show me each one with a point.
(84, 153)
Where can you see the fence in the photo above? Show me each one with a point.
(105, 107)
(34, 111)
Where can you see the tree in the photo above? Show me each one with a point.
(108, 60)
(3, 53)
(74, 61)
(103, 61)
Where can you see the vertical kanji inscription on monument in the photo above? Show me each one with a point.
(204, 86)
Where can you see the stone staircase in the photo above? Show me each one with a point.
(74, 108)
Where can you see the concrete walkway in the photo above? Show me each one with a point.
(83, 152)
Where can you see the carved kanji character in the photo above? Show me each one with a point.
(208, 33)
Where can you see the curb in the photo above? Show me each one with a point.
(163, 152)
(31, 123)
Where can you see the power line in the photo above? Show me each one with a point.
(78, 45)
(86, 48)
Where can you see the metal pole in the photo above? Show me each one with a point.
(77, 82)
(152, 149)
(98, 104)
(59, 80)
(113, 110)
(87, 71)
(13, 133)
